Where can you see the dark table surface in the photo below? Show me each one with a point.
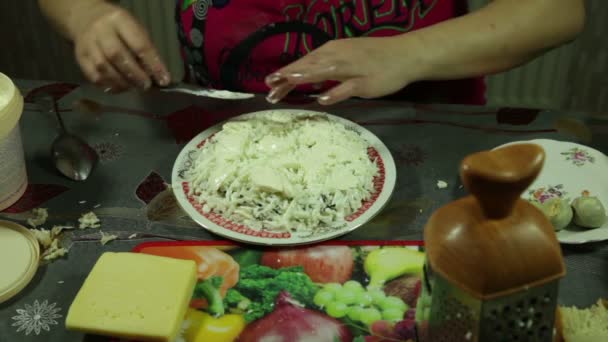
(139, 136)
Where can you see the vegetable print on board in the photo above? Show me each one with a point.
(328, 292)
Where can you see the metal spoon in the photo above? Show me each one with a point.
(205, 92)
(71, 155)
(195, 90)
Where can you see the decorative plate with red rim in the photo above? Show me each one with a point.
(571, 169)
(384, 184)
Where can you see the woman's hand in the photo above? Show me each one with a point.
(502, 35)
(365, 67)
(113, 49)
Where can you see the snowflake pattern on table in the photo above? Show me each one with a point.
(546, 193)
(578, 156)
(108, 151)
(410, 155)
(37, 317)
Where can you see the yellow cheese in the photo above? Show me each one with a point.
(134, 296)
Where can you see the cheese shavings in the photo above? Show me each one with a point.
(284, 172)
(43, 237)
(89, 220)
(54, 251)
(40, 216)
(49, 242)
(105, 238)
(56, 230)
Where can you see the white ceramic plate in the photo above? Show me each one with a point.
(569, 170)
(384, 185)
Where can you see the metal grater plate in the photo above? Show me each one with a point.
(455, 316)
(527, 315)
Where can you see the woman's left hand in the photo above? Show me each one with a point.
(364, 67)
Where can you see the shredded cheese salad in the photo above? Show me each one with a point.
(283, 172)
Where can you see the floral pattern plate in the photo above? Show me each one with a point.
(569, 170)
(384, 185)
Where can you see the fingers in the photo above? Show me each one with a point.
(116, 53)
(345, 90)
(322, 64)
(101, 73)
(281, 84)
(120, 60)
(139, 43)
(312, 73)
(277, 93)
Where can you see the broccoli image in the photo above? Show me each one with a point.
(256, 292)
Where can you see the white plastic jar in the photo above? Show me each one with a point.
(13, 175)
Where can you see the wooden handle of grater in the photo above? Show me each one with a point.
(497, 178)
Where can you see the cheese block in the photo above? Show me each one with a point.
(134, 296)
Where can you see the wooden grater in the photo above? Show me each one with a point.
(493, 260)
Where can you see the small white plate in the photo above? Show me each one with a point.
(384, 185)
(569, 170)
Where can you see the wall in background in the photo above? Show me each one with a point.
(573, 76)
(30, 49)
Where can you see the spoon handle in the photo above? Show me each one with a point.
(47, 103)
(59, 119)
(196, 90)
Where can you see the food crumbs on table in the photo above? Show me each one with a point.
(43, 237)
(56, 230)
(40, 216)
(54, 251)
(442, 184)
(49, 242)
(132, 236)
(89, 220)
(105, 238)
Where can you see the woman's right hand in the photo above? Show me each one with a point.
(113, 49)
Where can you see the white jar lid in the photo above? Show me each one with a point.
(19, 255)
(11, 105)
